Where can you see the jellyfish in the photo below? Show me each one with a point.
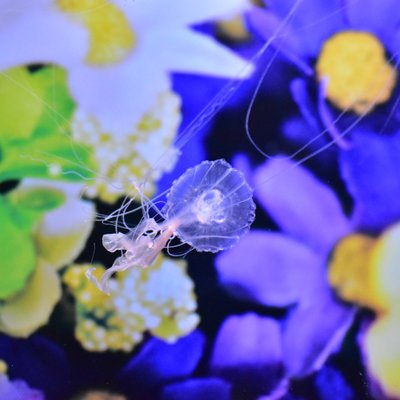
(209, 207)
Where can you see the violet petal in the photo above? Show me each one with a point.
(247, 352)
(198, 389)
(374, 16)
(313, 20)
(18, 390)
(302, 206)
(394, 45)
(313, 331)
(307, 107)
(269, 268)
(270, 27)
(371, 172)
(159, 362)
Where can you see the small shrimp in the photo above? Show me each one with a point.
(209, 207)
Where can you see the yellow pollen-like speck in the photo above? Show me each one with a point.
(353, 274)
(111, 37)
(358, 74)
(234, 29)
(149, 123)
(3, 367)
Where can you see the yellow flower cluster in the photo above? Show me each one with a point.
(125, 159)
(98, 325)
(366, 271)
(159, 299)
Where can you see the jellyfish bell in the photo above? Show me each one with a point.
(212, 205)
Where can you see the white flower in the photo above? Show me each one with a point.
(118, 53)
(124, 161)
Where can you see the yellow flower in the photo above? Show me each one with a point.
(60, 237)
(366, 271)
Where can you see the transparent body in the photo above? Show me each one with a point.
(209, 207)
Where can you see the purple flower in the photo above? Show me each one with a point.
(317, 21)
(159, 370)
(327, 41)
(288, 269)
(248, 353)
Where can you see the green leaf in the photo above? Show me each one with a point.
(23, 217)
(37, 199)
(21, 104)
(48, 151)
(17, 253)
(59, 106)
(50, 157)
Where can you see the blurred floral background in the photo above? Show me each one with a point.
(99, 96)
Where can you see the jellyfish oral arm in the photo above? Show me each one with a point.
(141, 250)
